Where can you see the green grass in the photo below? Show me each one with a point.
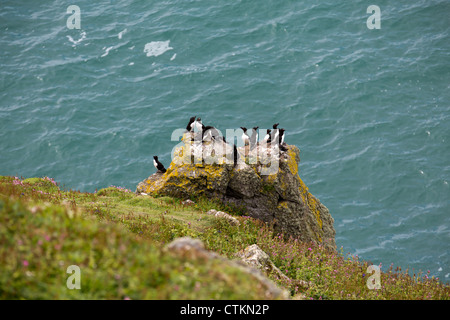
(117, 237)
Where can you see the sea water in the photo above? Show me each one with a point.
(89, 96)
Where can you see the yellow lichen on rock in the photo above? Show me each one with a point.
(313, 206)
(292, 161)
(271, 191)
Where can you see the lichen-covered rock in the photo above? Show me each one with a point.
(264, 180)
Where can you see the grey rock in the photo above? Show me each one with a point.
(187, 247)
(264, 181)
(220, 214)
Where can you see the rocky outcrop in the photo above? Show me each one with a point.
(264, 181)
(255, 257)
(194, 249)
(220, 214)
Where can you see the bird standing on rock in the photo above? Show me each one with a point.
(275, 133)
(190, 125)
(281, 140)
(267, 137)
(198, 125)
(254, 138)
(281, 136)
(158, 165)
(245, 137)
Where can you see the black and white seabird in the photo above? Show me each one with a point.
(190, 125)
(254, 138)
(281, 136)
(245, 137)
(281, 140)
(158, 165)
(267, 137)
(211, 133)
(198, 125)
(275, 133)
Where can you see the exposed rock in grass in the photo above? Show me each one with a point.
(220, 214)
(254, 256)
(189, 248)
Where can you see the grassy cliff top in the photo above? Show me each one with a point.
(117, 238)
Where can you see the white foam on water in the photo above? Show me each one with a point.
(106, 51)
(75, 42)
(156, 48)
(121, 33)
(173, 57)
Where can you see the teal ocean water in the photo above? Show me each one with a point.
(368, 108)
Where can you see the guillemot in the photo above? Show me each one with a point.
(198, 125)
(158, 165)
(254, 138)
(275, 133)
(245, 137)
(267, 137)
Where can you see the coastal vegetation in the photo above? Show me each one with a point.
(118, 238)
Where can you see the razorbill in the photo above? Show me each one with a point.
(281, 140)
(281, 136)
(158, 165)
(190, 125)
(245, 137)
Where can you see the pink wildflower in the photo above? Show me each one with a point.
(51, 180)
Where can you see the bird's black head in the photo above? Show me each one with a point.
(192, 119)
(244, 129)
(155, 157)
(255, 128)
(199, 119)
(275, 125)
(268, 130)
(282, 131)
